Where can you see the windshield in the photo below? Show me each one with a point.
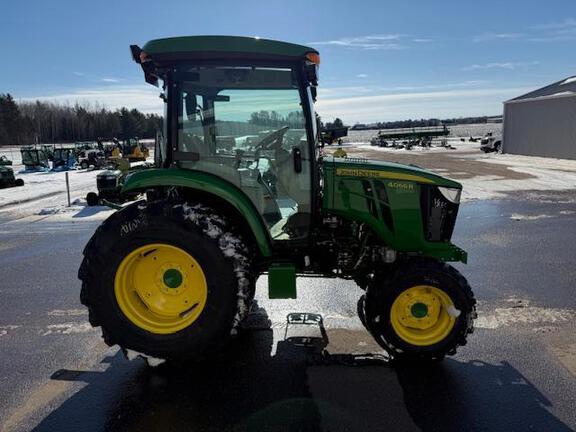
(247, 125)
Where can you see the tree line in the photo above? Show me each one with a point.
(411, 123)
(23, 123)
(294, 119)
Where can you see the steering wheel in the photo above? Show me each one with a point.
(272, 140)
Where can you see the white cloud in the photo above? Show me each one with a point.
(491, 36)
(560, 31)
(143, 97)
(422, 40)
(566, 23)
(110, 80)
(361, 76)
(502, 65)
(426, 104)
(353, 91)
(371, 42)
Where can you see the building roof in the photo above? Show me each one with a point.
(565, 87)
(224, 47)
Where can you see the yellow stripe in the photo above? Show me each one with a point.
(354, 172)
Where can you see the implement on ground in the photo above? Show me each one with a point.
(411, 136)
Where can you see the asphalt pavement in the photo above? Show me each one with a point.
(517, 373)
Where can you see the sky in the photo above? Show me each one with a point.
(380, 60)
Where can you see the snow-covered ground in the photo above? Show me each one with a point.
(543, 174)
(44, 193)
(484, 176)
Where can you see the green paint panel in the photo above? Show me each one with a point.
(282, 281)
(351, 192)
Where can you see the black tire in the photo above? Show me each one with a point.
(92, 199)
(221, 253)
(19, 182)
(498, 147)
(84, 165)
(384, 289)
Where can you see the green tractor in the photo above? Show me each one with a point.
(173, 276)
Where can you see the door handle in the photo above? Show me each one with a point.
(297, 157)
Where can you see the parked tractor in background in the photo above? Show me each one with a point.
(134, 151)
(173, 276)
(332, 135)
(92, 158)
(4, 161)
(34, 159)
(109, 184)
(63, 159)
(7, 178)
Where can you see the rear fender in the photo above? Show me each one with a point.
(204, 183)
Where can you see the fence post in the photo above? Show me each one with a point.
(68, 188)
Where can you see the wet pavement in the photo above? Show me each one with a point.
(517, 373)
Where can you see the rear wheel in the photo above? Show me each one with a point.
(422, 311)
(19, 182)
(165, 280)
(84, 165)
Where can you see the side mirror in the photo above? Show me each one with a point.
(191, 106)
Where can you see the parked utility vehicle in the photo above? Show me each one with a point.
(491, 142)
(173, 276)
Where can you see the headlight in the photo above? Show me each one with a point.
(451, 194)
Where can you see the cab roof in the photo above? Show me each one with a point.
(223, 47)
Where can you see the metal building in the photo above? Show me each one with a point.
(542, 122)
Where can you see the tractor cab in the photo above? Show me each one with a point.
(64, 159)
(34, 159)
(245, 116)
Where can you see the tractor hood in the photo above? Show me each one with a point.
(354, 167)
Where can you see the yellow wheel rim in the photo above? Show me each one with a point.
(420, 315)
(160, 288)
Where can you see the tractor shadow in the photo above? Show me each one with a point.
(88, 211)
(300, 383)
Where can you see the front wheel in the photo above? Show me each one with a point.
(421, 311)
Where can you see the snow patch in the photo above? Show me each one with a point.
(568, 80)
(67, 328)
(152, 361)
(232, 247)
(7, 328)
(523, 315)
(453, 312)
(68, 312)
(518, 217)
